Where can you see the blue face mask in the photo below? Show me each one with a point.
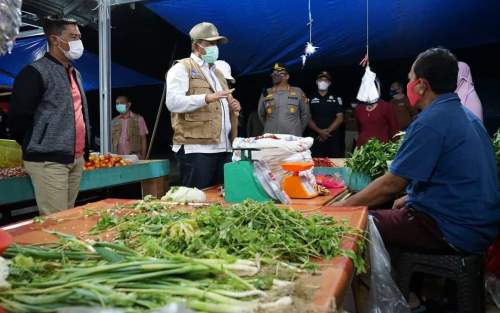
(121, 108)
(211, 54)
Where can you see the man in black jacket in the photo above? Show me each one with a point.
(49, 118)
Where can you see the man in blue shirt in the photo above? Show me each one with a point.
(447, 165)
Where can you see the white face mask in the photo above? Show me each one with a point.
(323, 85)
(75, 49)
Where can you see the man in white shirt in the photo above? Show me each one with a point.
(203, 112)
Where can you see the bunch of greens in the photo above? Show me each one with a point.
(103, 274)
(496, 146)
(371, 158)
(247, 230)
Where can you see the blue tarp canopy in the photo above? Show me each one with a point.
(262, 32)
(27, 50)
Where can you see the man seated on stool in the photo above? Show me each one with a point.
(447, 166)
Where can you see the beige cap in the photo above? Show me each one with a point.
(207, 31)
(225, 68)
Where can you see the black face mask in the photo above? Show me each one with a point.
(277, 78)
(394, 92)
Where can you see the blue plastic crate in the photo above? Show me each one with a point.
(354, 180)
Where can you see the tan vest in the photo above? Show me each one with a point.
(133, 133)
(202, 126)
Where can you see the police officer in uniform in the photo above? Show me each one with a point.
(283, 109)
(327, 117)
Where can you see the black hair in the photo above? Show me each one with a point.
(54, 25)
(126, 97)
(438, 66)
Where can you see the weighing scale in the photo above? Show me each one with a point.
(297, 186)
(240, 182)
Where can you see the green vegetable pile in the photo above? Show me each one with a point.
(371, 158)
(243, 258)
(496, 146)
(247, 230)
(102, 274)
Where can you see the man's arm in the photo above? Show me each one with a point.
(336, 123)
(261, 110)
(382, 190)
(26, 96)
(305, 113)
(144, 147)
(177, 86)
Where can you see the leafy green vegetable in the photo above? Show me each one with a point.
(371, 158)
(245, 230)
(496, 146)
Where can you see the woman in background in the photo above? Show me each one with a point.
(466, 91)
(377, 120)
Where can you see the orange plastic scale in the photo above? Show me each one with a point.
(295, 185)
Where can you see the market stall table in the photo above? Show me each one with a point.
(214, 195)
(151, 174)
(331, 284)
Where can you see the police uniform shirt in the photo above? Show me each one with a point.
(284, 111)
(324, 109)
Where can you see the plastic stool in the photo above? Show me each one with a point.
(466, 270)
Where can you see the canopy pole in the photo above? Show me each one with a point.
(105, 75)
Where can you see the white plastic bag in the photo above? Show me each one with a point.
(184, 195)
(269, 183)
(10, 21)
(368, 91)
(492, 285)
(277, 149)
(384, 296)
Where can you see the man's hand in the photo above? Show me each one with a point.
(235, 105)
(323, 134)
(212, 97)
(400, 203)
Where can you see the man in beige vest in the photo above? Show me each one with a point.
(203, 112)
(128, 130)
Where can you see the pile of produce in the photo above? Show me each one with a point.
(323, 162)
(243, 258)
(102, 274)
(371, 158)
(104, 161)
(247, 230)
(496, 146)
(12, 172)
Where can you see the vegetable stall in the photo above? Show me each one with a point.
(211, 257)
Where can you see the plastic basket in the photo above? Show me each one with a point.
(332, 171)
(356, 181)
(10, 154)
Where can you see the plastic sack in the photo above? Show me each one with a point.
(492, 286)
(184, 195)
(10, 21)
(10, 154)
(384, 296)
(368, 91)
(278, 149)
(268, 181)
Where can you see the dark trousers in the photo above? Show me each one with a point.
(408, 229)
(202, 170)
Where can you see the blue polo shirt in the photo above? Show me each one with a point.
(448, 159)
